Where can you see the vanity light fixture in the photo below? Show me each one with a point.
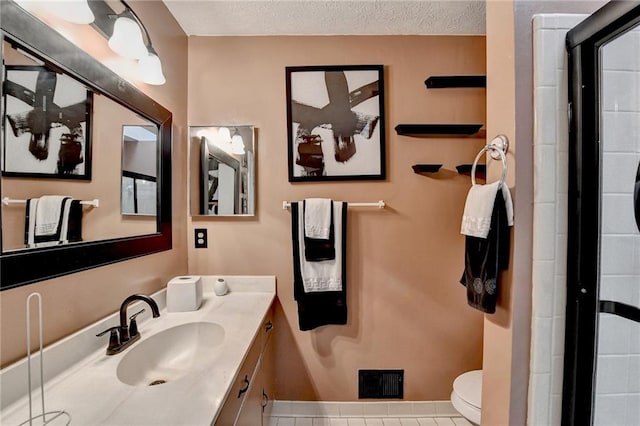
(237, 143)
(224, 135)
(150, 68)
(128, 40)
(75, 11)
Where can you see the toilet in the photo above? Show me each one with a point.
(467, 395)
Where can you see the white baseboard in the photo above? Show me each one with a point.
(361, 409)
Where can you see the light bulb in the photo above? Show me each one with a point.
(150, 69)
(237, 144)
(75, 11)
(126, 39)
(224, 135)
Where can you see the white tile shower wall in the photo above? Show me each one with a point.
(617, 399)
(550, 182)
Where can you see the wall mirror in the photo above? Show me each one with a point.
(139, 169)
(109, 105)
(222, 160)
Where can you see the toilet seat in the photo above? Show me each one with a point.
(467, 395)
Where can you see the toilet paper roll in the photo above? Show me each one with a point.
(184, 293)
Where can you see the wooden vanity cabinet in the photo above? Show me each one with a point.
(244, 403)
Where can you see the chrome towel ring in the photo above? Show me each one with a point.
(499, 145)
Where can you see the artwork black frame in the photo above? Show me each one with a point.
(53, 139)
(346, 112)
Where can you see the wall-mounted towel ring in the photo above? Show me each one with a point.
(501, 142)
(494, 148)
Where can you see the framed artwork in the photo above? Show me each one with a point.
(335, 119)
(46, 124)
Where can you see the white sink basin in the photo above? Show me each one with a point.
(171, 354)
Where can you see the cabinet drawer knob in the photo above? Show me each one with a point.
(265, 400)
(268, 326)
(245, 387)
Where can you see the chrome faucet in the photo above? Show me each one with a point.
(124, 335)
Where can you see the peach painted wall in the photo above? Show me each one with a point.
(74, 301)
(406, 307)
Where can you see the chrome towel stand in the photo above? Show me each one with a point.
(498, 148)
(54, 414)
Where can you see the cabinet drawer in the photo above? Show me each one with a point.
(238, 391)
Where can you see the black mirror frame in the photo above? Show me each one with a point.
(26, 267)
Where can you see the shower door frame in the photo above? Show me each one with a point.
(584, 210)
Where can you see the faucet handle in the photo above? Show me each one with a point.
(133, 325)
(114, 341)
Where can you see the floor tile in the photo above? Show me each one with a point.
(427, 421)
(290, 420)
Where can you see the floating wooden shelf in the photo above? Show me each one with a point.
(465, 169)
(440, 130)
(447, 81)
(426, 168)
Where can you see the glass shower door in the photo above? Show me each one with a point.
(617, 378)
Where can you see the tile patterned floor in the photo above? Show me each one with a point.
(366, 421)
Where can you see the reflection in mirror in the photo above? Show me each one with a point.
(222, 162)
(97, 176)
(139, 169)
(108, 103)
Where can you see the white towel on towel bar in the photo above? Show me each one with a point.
(324, 275)
(317, 218)
(49, 214)
(49, 218)
(476, 219)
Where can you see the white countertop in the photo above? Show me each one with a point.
(91, 393)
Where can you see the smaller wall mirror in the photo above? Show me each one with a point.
(139, 170)
(222, 177)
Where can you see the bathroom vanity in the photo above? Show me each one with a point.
(209, 366)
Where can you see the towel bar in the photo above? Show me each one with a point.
(93, 203)
(379, 204)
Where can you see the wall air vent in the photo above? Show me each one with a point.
(381, 384)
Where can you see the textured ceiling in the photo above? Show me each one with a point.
(337, 17)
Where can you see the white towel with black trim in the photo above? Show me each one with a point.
(48, 220)
(476, 219)
(324, 275)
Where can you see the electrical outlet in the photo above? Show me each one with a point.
(201, 238)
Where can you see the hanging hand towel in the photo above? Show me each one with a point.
(323, 275)
(478, 208)
(317, 218)
(52, 220)
(485, 258)
(316, 248)
(318, 308)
